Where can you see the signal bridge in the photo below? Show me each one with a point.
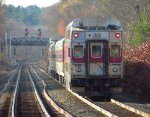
(28, 41)
(26, 49)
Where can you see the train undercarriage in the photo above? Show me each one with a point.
(91, 87)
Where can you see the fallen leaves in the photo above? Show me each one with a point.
(137, 71)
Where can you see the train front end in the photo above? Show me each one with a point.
(95, 60)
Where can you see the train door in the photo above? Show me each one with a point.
(78, 59)
(98, 58)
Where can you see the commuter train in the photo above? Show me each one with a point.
(88, 60)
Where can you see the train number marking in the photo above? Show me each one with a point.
(96, 35)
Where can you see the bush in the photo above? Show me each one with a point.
(137, 71)
(141, 28)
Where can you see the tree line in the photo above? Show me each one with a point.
(133, 14)
(19, 18)
(29, 15)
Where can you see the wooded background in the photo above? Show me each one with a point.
(134, 16)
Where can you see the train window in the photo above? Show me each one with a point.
(96, 51)
(78, 51)
(115, 51)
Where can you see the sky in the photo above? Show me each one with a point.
(25, 3)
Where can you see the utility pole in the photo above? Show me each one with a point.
(6, 48)
(2, 31)
(10, 49)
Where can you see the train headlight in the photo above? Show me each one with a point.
(115, 69)
(117, 35)
(76, 35)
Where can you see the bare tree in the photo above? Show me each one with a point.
(127, 11)
(2, 34)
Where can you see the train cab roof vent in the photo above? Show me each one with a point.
(81, 25)
(113, 27)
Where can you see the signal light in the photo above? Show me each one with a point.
(117, 35)
(76, 35)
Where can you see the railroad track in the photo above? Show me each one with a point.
(50, 101)
(70, 107)
(26, 101)
(111, 109)
(141, 108)
(22, 100)
(6, 94)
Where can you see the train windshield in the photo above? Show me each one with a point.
(96, 51)
(78, 51)
(115, 51)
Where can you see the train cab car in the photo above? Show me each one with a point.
(52, 60)
(59, 57)
(92, 57)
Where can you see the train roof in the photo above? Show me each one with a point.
(60, 41)
(55, 38)
(88, 23)
(52, 44)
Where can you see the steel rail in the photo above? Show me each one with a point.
(38, 97)
(13, 111)
(132, 109)
(50, 100)
(7, 84)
